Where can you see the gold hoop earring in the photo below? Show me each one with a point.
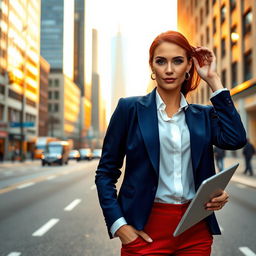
(187, 76)
(153, 76)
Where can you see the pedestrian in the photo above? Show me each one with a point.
(168, 147)
(248, 152)
(219, 154)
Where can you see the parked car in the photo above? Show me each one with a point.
(56, 152)
(96, 153)
(85, 154)
(74, 154)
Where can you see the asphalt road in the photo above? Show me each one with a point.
(54, 211)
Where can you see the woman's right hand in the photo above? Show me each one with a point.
(128, 233)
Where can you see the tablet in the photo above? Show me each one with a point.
(209, 188)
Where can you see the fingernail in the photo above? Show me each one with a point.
(150, 240)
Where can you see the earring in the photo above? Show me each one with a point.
(187, 76)
(153, 76)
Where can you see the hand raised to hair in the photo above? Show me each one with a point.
(207, 70)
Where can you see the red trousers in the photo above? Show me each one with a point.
(161, 224)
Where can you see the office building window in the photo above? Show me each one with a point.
(214, 25)
(206, 7)
(248, 65)
(223, 47)
(234, 35)
(56, 82)
(50, 82)
(49, 107)
(202, 39)
(223, 13)
(207, 35)
(2, 88)
(50, 95)
(56, 95)
(14, 115)
(215, 51)
(196, 24)
(234, 74)
(1, 112)
(232, 5)
(224, 77)
(201, 16)
(247, 22)
(56, 107)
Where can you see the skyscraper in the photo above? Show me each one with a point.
(118, 81)
(19, 74)
(57, 47)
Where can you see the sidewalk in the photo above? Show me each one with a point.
(239, 176)
(7, 164)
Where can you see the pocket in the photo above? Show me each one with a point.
(133, 242)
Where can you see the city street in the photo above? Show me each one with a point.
(54, 211)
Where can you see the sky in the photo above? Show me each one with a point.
(139, 22)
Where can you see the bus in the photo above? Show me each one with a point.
(40, 145)
(56, 152)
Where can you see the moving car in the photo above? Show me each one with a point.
(85, 154)
(74, 154)
(56, 152)
(96, 153)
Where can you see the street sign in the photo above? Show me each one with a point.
(25, 124)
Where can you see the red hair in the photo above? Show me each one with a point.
(177, 38)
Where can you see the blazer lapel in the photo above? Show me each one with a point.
(195, 122)
(148, 123)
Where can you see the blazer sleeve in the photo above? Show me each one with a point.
(227, 129)
(108, 170)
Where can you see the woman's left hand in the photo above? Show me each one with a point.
(217, 202)
(207, 70)
(208, 67)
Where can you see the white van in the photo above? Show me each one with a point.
(56, 152)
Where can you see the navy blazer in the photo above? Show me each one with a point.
(133, 132)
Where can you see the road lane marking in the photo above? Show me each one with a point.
(246, 251)
(14, 254)
(72, 205)
(240, 185)
(93, 187)
(46, 227)
(51, 177)
(26, 185)
(36, 180)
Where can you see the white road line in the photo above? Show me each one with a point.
(72, 205)
(26, 185)
(14, 254)
(51, 177)
(246, 251)
(240, 185)
(93, 187)
(46, 227)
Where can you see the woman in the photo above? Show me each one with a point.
(168, 145)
